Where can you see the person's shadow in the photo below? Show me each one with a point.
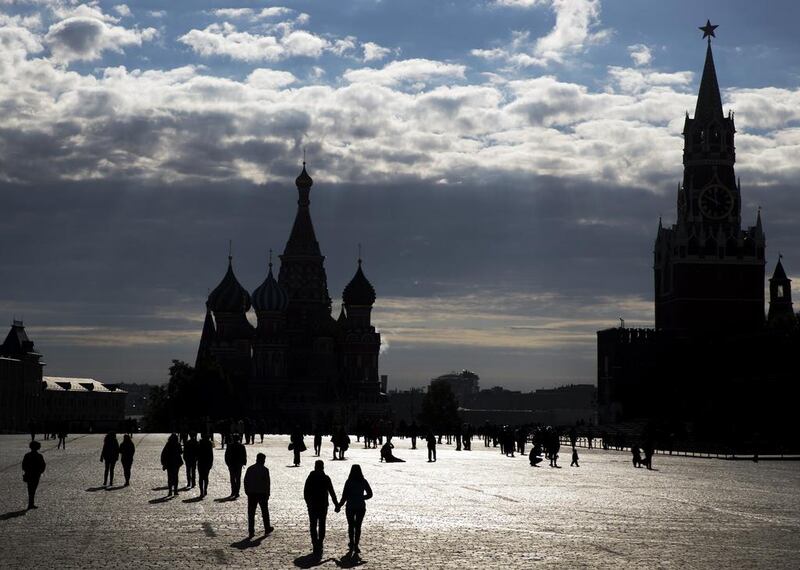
(310, 560)
(225, 500)
(161, 500)
(95, 489)
(248, 542)
(117, 488)
(13, 514)
(349, 560)
(196, 499)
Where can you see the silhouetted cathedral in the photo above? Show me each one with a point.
(298, 364)
(712, 362)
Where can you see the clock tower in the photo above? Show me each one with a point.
(709, 272)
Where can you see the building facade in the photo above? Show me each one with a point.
(713, 361)
(298, 364)
(30, 400)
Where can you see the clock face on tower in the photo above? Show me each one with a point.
(716, 201)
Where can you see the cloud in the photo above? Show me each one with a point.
(274, 41)
(640, 54)
(270, 79)
(577, 27)
(374, 52)
(252, 14)
(226, 40)
(414, 70)
(85, 32)
(123, 10)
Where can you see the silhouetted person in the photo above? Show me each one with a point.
(62, 436)
(414, 430)
(355, 494)
(431, 446)
(298, 446)
(317, 443)
(574, 462)
(32, 429)
(190, 458)
(387, 455)
(262, 427)
(648, 455)
(126, 451)
(171, 462)
(316, 491)
(235, 459)
(205, 459)
(535, 456)
(257, 487)
(636, 456)
(343, 442)
(33, 466)
(109, 455)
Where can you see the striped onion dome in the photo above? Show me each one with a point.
(359, 291)
(269, 296)
(229, 296)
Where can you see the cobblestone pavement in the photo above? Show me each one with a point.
(473, 509)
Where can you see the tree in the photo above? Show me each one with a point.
(179, 399)
(156, 416)
(439, 407)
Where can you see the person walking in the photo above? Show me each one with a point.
(236, 459)
(257, 488)
(316, 491)
(297, 446)
(33, 465)
(431, 446)
(109, 455)
(190, 458)
(205, 459)
(62, 436)
(354, 495)
(171, 462)
(317, 442)
(126, 451)
(574, 462)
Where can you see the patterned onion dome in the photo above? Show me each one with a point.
(269, 296)
(359, 291)
(229, 296)
(304, 180)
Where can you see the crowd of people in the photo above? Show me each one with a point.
(197, 457)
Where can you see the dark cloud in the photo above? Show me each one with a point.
(78, 37)
(126, 256)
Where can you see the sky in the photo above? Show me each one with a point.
(503, 163)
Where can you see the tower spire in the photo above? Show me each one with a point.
(709, 102)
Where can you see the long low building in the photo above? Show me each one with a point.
(83, 404)
(48, 403)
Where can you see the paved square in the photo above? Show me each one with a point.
(474, 509)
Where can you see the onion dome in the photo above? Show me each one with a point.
(304, 180)
(229, 296)
(269, 296)
(359, 291)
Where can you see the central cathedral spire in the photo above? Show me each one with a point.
(302, 273)
(303, 240)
